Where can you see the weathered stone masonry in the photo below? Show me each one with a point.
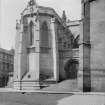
(92, 46)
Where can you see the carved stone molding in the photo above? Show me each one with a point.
(86, 1)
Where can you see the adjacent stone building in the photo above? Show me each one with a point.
(43, 46)
(6, 65)
(91, 74)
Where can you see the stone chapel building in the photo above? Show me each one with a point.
(43, 45)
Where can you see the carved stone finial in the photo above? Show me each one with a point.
(32, 2)
(17, 24)
(16, 21)
(64, 16)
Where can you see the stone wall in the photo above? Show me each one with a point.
(92, 46)
(97, 38)
(84, 80)
(46, 59)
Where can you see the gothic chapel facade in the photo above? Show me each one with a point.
(43, 45)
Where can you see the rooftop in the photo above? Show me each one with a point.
(74, 23)
(11, 52)
(41, 10)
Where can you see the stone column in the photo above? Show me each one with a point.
(18, 56)
(37, 52)
(55, 51)
(84, 75)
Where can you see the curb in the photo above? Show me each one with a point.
(51, 92)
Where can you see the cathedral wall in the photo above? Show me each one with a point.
(60, 36)
(16, 54)
(46, 59)
(20, 54)
(23, 52)
(97, 38)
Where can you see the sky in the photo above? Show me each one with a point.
(10, 11)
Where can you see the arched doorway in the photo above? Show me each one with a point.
(71, 68)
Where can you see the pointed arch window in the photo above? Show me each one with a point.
(44, 38)
(44, 35)
(31, 33)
